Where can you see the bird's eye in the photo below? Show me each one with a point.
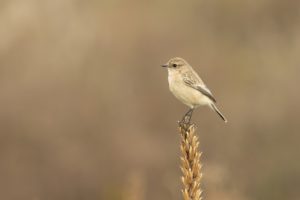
(174, 65)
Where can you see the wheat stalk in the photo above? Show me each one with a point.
(190, 162)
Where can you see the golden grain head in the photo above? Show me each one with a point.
(190, 162)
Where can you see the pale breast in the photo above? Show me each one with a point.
(187, 95)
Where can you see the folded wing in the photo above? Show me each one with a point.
(192, 80)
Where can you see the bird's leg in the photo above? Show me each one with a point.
(188, 116)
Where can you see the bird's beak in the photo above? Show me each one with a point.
(165, 65)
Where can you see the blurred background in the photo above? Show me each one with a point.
(86, 112)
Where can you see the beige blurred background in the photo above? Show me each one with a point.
(86, 112)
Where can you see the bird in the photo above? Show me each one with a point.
(188, 87)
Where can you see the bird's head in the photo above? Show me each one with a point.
(176, 63)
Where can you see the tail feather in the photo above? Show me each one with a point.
(214, 107)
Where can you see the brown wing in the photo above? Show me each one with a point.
(192, 80)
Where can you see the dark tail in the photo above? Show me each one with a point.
(214, 107)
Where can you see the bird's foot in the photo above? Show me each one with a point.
(186, 121)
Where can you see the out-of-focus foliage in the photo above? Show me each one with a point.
(86, 112)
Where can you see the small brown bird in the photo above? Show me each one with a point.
(187, 86)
